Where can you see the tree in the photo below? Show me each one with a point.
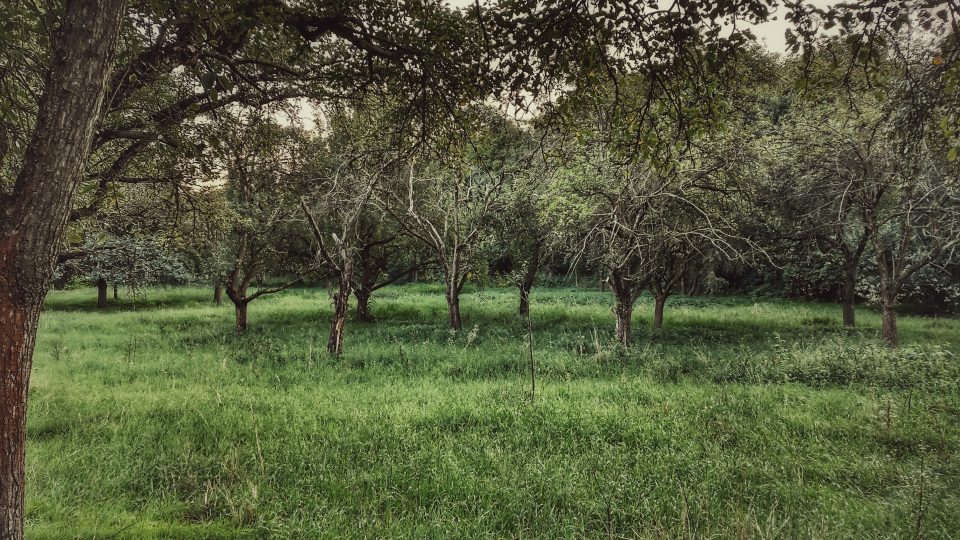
(384, 256)
(522, 231)
(833, 157)
(33, 216)
(129, 261)
(259, 157)
(449, 205)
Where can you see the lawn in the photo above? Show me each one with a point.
(744, 418)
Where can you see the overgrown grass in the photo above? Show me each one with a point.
(742, 418)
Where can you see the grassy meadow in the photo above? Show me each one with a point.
(743, 418)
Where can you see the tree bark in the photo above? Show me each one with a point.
(889, 290)
(241, 311)
(218, 294)
(529, 278)
(453, 306)
(849, 297)
(623, 310)
(362, 294)
(237, 293)
(33, 218)
(659, 301)
(623, 307)
(116, 295)
(101, 293)
(341, 303)
(364, 288)
(888, 325)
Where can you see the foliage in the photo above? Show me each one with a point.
(131, 262)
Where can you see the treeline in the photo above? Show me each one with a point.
(799, 177)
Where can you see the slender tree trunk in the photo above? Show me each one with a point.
(101, 293)
(341, 303)
(33, 218)
(623, 310)
(659, 300)
(364, 289)
(849, 297)
(116, 296)
(453, 305)
(529, 277)
(888, 298)
(524, 300)
(218, 294)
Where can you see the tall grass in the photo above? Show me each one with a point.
(742, 418)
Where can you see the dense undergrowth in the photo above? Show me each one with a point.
(741, 418)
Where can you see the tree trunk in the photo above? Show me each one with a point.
(623, 310)
(101, 293)
(453, 306)
(33, 217)
(524, 300)
(849, 294)
(218, 294)
(241, 309)
(18, 329)
(623, 307)
(341, 303)
(888, 325)
(889, 291)
(529, 278)
(659, 301)
(116, 296)
(362, 294)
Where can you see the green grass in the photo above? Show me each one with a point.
(742, 418)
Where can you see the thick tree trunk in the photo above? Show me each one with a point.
(623, 307)
(849, 294)
(33, 218)
(453, 306)
(101, 293)
(888, 324)
(623, 310)
(362, 294)
(218, 294)
(659, 301)
(364, 289)
(18, 329)
(341, 303)
(241, 311)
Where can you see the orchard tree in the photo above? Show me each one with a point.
(449, 204)
(522, 229)
(127, 261)
(259, 159)
(826, 181)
